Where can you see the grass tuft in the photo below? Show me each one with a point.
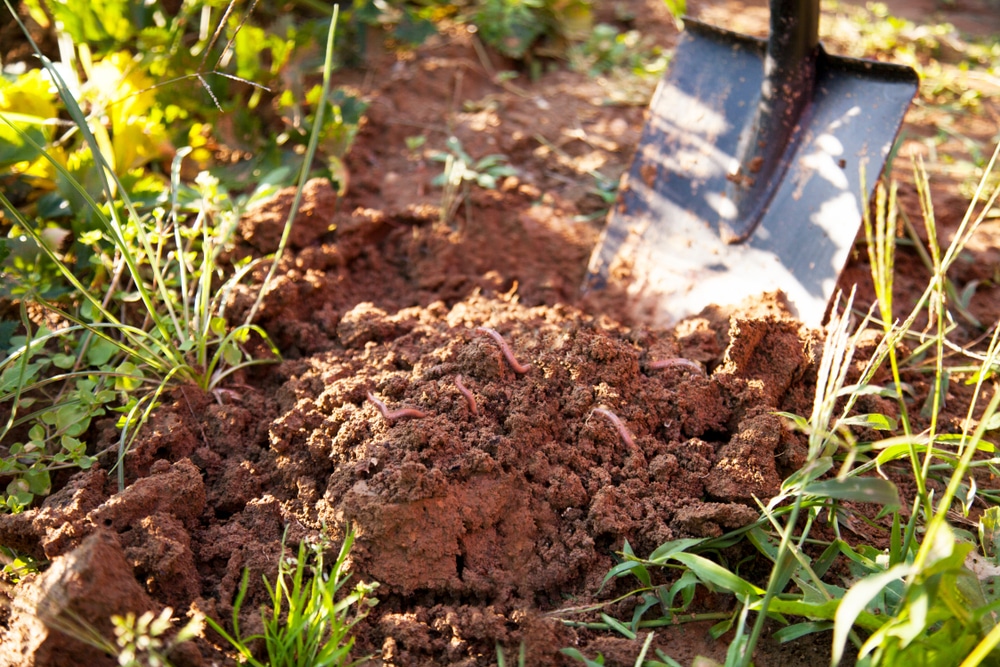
(310, 620)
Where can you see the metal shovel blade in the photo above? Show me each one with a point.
(666, 242)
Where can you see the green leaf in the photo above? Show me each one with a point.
(859, 489)
(716, 575)
(649, 601)
(38, 480)
(940, 389)
(855, 601)
(70, 415)
(685, 585)
(14, 146)
(798, 423)
(580, 657)
(667, 549)
(667, 660)
(413, 30)
(867, 390)
(486, 181)
(677, 8)
(805, 475)
(7, 327)
(798, 630)
(993, 422)
(872, 420)
(10, 376)
(17, 501)
(232, 354)
(100, 352)
(989, 533)
(760, 539)
(128, 378)
(633, 567)
(63, 361)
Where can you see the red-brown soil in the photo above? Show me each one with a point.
(478, 515)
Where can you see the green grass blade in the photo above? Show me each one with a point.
(306, 164)
(716, 575)
(854, 603)
(858, 489)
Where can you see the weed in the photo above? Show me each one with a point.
(16, 566)
(640, 660)
(126, 296)
(140, 641)
(606, 50)
(310, 620)
(460, 171)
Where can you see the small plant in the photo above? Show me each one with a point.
(873, 30)
(311, 616)
(460, 171)
(15, 565)
(607, 50)
(140, 641)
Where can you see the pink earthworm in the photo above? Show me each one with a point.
(468, 395)
(678, 362)
(622, 431)
(505, 348)
(402, 413)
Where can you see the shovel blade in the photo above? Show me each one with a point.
(662, 244)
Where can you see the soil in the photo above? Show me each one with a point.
(494, 488)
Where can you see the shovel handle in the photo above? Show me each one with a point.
(794, 35)
(787, 89)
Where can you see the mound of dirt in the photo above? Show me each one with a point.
(485, 484)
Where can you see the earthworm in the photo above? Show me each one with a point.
(505, 348)
(402, 413)
(468, 395)
(678, 361)
(622, 431)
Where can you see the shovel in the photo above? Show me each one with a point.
(748, 176)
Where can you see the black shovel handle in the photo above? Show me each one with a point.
(787, 89)
(794, 35)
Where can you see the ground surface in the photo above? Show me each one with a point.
(480, 514)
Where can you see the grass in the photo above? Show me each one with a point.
(310, 621)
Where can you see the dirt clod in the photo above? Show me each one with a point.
(77, 595)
